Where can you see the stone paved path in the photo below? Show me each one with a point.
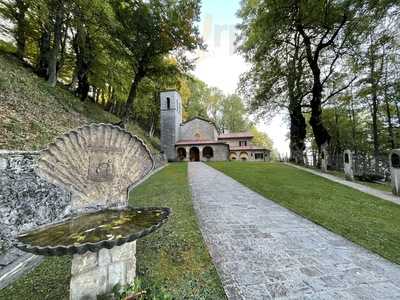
(360, 187)
(262, 250)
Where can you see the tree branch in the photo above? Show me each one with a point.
(339, 90)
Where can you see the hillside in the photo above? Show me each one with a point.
(32, 113)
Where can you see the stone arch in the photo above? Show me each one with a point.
(208, 152)
(243, 156)
(395, 160)
(232, 156)
(194, 154)
(181, 153)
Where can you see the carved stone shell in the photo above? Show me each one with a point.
(97, 164)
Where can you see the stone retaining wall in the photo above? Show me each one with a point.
(26, 201)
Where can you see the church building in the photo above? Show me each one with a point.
(198, 139)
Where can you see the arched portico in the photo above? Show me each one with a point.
(244, 156)
(181, 154)
(208, 152)
(232, 156)
(194, 154)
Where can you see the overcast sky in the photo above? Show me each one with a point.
(221, 67)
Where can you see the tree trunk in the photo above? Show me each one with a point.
(58, 23)
(21, 25)
(82, 44)
(388, 113)
(375, 128)
(374, 106)
(297, 135)
(321, 135)
(132, 95)
(42, 68)
(297, 121)
(64, 37)
(354, 133)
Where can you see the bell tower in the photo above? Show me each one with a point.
(170, 121)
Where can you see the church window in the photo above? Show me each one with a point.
(168, 103)
(242, 143)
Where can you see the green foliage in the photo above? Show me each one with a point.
(32, 113)
(305, 55)
(8, 48)
(233, 115)
(261, 139)
(343, 210)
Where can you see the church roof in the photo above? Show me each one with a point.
(248, 148)
(235, 135)
(199, 142)
(202, 119)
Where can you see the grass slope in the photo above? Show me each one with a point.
(32, 113)
(172, 263)
(174, 260)
(366, 220)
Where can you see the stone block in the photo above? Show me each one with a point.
(83, 263)
(3, 163)
(324, 158)
(130, 271)
(124, 252)
(89, 285)
(117, 274)
(394, 161)
(348, 165)
(104, 257)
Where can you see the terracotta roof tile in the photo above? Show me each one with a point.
(234, 135)
(247, 148)
(198, 142)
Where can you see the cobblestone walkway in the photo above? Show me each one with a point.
(262, 250)
(357, 186)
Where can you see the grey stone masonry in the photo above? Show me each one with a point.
(170, 120)
(394, 161)
(264, 251)
(26, 201)
(101, 271)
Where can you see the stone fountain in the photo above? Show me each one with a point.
(97, 164)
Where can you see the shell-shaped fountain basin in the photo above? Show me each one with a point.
(92, 231)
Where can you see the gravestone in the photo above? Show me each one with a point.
(324, 158)
(348, 165)
(97, 164)
(394, 161)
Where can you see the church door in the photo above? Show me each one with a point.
(194, 154)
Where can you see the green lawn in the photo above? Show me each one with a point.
(364, 219)
(173, 262)
(175, 259)
(385, 187)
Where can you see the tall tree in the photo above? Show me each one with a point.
(150, 30)
(57, 11)
(16, 12)
(278, 78)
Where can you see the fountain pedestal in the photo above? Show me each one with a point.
(97, 164)
(94, 274)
